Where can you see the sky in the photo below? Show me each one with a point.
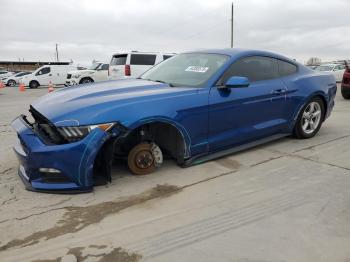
(95, 29)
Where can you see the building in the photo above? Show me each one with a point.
(26, 66)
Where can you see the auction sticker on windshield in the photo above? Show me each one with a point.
(197, 69)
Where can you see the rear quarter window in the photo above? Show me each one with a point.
(165, 57)
(119, 59)
(255, 68)
(286, 68)
(137, 59)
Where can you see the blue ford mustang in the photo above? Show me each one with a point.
(191, 108)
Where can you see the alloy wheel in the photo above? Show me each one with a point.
(311, 117)
(11, 83)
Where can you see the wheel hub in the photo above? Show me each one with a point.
(144, 159)
(311, 117)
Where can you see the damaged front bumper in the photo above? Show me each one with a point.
(64, 168)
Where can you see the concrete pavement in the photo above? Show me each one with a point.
(284, 201)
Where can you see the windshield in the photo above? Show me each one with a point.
(324, 68)
(186, 69)
(94, 66)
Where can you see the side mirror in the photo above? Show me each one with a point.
(237, 81)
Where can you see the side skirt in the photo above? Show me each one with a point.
(210, 156)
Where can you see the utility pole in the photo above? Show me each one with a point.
(57, 53)
(232, 25)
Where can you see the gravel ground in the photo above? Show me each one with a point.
(288, 200)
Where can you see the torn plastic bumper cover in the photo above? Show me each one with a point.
(57, 167)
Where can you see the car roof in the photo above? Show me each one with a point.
(143, 53)
(240, 52)
(329, 64)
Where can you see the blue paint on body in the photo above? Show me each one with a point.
(210, 119)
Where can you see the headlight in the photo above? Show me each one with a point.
(76, 133)
(76, 76)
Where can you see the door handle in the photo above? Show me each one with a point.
(279, 91)
(50, 74)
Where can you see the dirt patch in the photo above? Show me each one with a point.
(120, 255)
(47, 260)
(229, 163)
(115, 255)
(77, 218)
(98, 247)
(78, 253)
(6, 170)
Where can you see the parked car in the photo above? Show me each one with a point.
(5, 73)
(313, 67)
(96, 73)
(192, 107)
(14, 79)
(133, 64)
(56, 74)
(345, 85)
(335, 69)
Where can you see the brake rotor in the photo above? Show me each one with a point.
(144, 158)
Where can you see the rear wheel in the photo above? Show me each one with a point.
(33, 84)
(345, 94)
(11, 83)
(310, 119)
(86, 80)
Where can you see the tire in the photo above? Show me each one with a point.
(11, 82)
(141, 160)
(310, 119)
(86, 80)
(33, 84)
(345, 94)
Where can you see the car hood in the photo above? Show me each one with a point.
(107, 101)
(28, 76)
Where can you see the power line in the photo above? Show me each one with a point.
(208, 29)
(183, 23)
(216, 25)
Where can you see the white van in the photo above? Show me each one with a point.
(56, 74)
(133, 64)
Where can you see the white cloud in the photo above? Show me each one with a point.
(90, 29)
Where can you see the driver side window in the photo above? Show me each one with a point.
(255, 68)
(339, 67)
(44, 71)
(105, 67)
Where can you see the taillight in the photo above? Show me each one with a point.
(127, 70)
(109, 71)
